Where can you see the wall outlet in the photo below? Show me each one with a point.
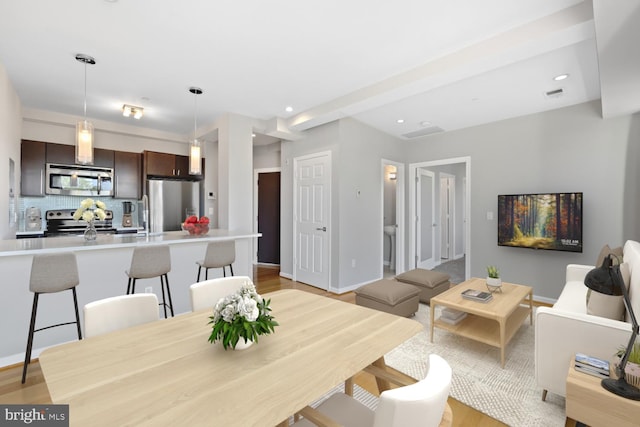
(353, 263)
(148, 290)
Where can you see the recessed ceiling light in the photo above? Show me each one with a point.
(560, 77)
(400, 121)
(288, 109)
(425, 123)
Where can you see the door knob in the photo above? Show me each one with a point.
(321, 228)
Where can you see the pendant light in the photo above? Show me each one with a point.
(195, 146)
(84, 128)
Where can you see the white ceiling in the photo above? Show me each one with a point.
(435, 64)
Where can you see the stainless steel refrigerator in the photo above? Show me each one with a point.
(171, 202)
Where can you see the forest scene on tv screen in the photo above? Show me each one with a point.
(541, 221)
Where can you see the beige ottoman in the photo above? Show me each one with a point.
(390, 296)
(430, 283)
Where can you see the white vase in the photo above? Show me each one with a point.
(494, 284)
(241, 344)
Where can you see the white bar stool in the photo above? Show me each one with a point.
(49, 274)
(148, 262)
(218, 255)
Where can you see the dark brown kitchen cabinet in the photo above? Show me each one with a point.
(182, 166)
(32, 166)
(64, 154)
(127, 175)
(61, 154)
(165, 165)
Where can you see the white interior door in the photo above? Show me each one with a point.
(311, 245)
(425, 219)
(447, 215)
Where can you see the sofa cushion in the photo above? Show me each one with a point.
(632, 257)
(609, 306)
(617, 255)
(572, 298)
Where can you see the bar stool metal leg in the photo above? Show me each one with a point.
(27, 355)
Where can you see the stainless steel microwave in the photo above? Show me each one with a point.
(75, 180)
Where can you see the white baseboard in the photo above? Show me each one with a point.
(286, 275)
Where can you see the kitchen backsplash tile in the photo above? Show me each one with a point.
(67, 202)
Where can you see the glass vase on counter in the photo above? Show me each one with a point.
(90, 234)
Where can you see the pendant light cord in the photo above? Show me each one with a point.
(195, 115)
(85, 91)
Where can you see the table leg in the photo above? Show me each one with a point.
(348, 386)
(432, 310)
(383, 385)
(531, 307)
(503, 327)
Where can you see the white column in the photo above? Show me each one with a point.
(235, 173)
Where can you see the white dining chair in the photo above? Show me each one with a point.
(420, 404)
(206, 294)
(119, 312)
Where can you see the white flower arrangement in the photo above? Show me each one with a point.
(244, 314)
(88, 213)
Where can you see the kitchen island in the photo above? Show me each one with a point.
(101, 266)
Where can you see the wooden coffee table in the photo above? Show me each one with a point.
(494, 322)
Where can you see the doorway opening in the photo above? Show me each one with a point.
(439, 200)
(267, 216)
(392, 214)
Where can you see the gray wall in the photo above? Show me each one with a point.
(570, 149)
(356, 222)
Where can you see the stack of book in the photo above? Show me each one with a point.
(592, 365)
(451, 316)
(475, 295)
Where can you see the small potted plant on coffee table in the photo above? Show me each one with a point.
(494, 283)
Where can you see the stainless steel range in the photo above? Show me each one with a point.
(60, 222)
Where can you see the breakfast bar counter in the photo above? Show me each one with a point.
(101, 266)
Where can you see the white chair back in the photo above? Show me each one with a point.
(120, 312)
(207, 294)
(420, 404)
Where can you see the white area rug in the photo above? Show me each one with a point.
(509, 395)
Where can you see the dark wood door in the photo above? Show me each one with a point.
(127, 175)
(103, 158)
(32, 173)
(182, 166)
(269, 217)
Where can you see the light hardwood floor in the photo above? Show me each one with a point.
(267, 279)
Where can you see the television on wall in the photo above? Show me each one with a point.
(550, 221)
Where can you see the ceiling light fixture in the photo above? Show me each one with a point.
(84, 128)
(195, 147)
(129, 110)
(400, 121)
(289, 109)
(561, 77)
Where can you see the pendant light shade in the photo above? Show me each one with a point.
(84, 128)
(195, 146)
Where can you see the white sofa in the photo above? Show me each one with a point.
(566, 329)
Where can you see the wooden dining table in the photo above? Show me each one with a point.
(167, 373)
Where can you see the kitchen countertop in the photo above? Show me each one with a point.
(108, 241)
